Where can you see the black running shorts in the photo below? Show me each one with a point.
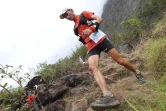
(105, 46)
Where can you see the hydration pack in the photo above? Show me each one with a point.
(82, 20)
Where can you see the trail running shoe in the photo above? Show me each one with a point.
(140, 78)
(105, 102)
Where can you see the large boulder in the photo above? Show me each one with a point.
(48, 93)
(79, 105)
(58, 105)
(72, 80)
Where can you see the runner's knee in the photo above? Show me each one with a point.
(92, 67)
(120, 61)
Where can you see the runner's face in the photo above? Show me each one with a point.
(69, 15)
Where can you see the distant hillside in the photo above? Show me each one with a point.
(116, 11)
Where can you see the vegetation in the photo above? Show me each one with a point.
(141, 22)
(152, 13)
(156, 55)
(67, 65)
(151, 97)
(11, 97)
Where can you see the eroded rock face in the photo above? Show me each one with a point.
(58, 105)
(116, 11)
(125, 48)
(48, 93)
(79, 105)
(78, 92)
(72, 80)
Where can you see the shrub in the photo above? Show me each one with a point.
(152, 12)
(155, 53)
(65, 66)
(131, 28)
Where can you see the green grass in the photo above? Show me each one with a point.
(155, 53)
(150, 98)
(65, 66)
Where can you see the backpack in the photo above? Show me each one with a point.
(82, 20)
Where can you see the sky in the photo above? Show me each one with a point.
(32, 33)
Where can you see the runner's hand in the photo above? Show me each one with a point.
(86, 32)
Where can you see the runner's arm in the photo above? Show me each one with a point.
(97, 18)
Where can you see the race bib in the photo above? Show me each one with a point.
(96, 36)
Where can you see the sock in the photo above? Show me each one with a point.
(137, 72)
(107, 93)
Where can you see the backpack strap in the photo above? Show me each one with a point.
(82, 20)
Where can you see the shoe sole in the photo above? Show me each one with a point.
(100, 107)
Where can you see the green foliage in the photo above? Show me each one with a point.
(67, 65)
(155, 53)
(117, 39)
(152, 12)
(160, 28)
(132, 25)
(13, 74)
(131, 28)
(9, 101)
(15, 92)
(80, 50)
(11, 97)
(152, 99)
(25, 107)
(131, 31)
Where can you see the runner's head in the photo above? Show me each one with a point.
(67, 13)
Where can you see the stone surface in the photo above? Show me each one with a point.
(48, 93)
(80, 105)
(58, 105)
(72, 80)
(116, 11)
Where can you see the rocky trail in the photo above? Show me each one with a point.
(121, 82)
